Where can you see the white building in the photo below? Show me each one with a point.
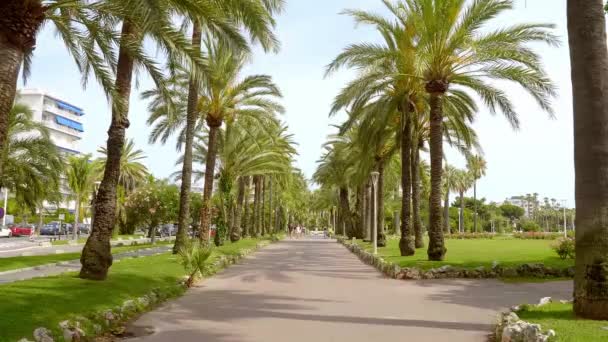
(520, 202)
(64, 122)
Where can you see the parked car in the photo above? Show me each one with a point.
(22, 229)
(51, 229)
(5, 232)
(84, 228)
(166, 230)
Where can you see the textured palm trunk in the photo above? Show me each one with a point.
(191, 118)
(270, 208)
(256, 207)
(446, 213)
(212, 145)
(461, 228)
(96, 257)
(475, 206)
(589, 62)
(369, 210)
(40, 221)
(436, 250)
(76, 217)
(345, 219)
(263, 213)
(419, 240)
(363, 212)
(381, 236)
(406, 243)
(235, 231)
(19, 25)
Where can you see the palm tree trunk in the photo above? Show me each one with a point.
(191, 118)
(436, 250)
(461, 214)
(263, 217)
(381, 236)
(589, 61)
(419, 240)
(76, 214)
(270, 209)
(246, 221)
(475, 206)
(369, 210)
(96, 257)
(256, 207)
(345, 210)
(40, 220)
(446, 213)
(212, 146)
(406, 243)
(235, 231)
(363, 208)
(22, 21)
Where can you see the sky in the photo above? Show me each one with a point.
(537, 158)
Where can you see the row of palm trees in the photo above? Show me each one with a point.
(416, 88)
(106, 39)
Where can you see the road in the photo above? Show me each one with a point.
(316, 290)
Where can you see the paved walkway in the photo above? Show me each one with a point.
(71, 266)
(317, 291)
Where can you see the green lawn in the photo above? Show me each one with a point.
(477, 252)
(47, 301)
(83, 240)
(14, 263)
(560, 318)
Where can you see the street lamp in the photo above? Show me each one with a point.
(375, 175)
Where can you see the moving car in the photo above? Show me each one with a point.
(5, 232)
(22, 229)
(50, 229)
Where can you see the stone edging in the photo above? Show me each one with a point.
(112, 320)
(392, 270)
(512, 329)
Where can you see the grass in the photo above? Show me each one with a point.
(478, 252)
(560, 318)
(13, 263)
(44, 302)
(83, 240)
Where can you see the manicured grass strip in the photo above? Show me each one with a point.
(44, 302)
(560, 318)
(13, 263)
(477, 252)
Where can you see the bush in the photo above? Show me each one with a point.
(193, 257)
(537, 236)
(530, 226)
(468, 236)
(564, 247)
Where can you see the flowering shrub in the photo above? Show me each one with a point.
(467, 236)
(153, 204)
(564, 247)
(537, 236)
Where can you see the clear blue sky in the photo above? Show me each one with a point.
(538, 158)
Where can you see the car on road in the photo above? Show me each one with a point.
(5, 232)
(84, 228)
(22, 229)
(51, 229)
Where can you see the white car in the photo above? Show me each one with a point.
(5, 232)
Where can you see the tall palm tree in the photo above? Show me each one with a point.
(589, 62)
(463, 182)
(132, 170)
(20, 25)
(457, 51)
(227, 96)
(33, 164)
(450, 181)
(81, 174)
(477, 167)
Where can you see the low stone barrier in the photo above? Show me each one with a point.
(510, 328)
(392, 270)
(80, 328)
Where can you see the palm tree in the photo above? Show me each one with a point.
(33, 164)
(75, 24)
(463, 182)
(81, 174)
(226, 96)
(456, 51)
(132, 171)
(589, 62)
(450, 180)
(477, 167)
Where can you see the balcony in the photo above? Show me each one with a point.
(50, 122)
(53, 109)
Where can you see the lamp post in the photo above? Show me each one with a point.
(375, 176)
